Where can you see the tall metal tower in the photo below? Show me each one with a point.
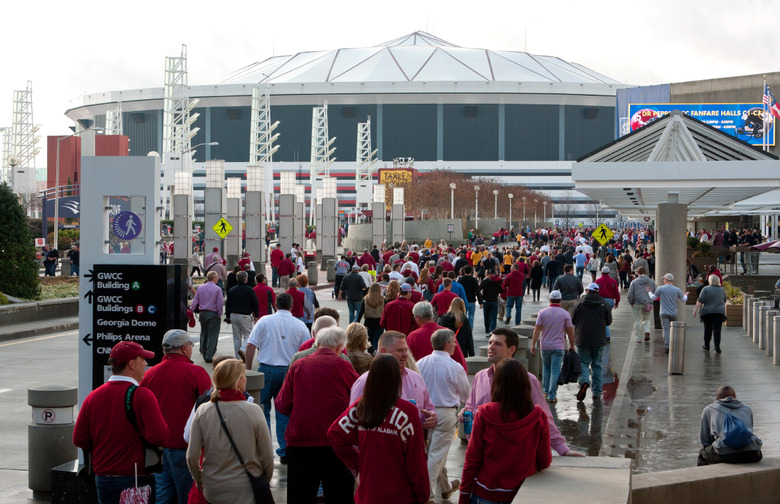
(22, 148)
(5, 151)
(364, 173)
(321, 151)
(114, 120)
(261, 142)
(177, 113)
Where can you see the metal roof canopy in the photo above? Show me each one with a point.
(635, 173)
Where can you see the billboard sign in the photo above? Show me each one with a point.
(396, 175)
(741, 120)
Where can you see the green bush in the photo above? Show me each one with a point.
(65, 238)
(3, 299)
(705, 248)
(20, 273)
(693, 242)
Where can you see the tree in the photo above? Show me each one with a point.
(20, 275)
(566, 212)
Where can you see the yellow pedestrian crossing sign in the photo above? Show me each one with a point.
(222, 228)
(603, 234)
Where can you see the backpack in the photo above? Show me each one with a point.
(735, 432)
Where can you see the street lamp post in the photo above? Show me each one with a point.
(57, 183)
(536, 204)
(524, 198)
(476, 206)
(510, 209)
(544, 220)
(495, 203)
(452, 200)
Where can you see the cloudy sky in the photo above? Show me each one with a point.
(70, 48)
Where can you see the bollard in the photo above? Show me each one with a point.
(754, 320)
(769, 331)
(748, 314)
(313, 273)
(776, 341)
(65, 267)
(331, 273)
(745, 307)
(761, 323)
(50, 435)
(677, 348)
(255, 381)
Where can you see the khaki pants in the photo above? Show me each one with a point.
(439, 447)
(568, 305)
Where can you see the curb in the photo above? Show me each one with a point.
(39, 331)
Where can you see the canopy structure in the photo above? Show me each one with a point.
(707, 168)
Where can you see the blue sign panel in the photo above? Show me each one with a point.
(126, 225)
(741, 120)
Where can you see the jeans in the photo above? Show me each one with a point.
(516, 301)
(110, 487)
(480, 500)
(641, 320)
(354, 310)
(580, 271)
(666, 323)
(551, 282)
(274, 378)
(274, 277)
(74, 269)
(470, 313)
(490, 311)
(175, 480)
(611, 305)
(590, 359)
(209, 333)
(551, 369)
(50, 268)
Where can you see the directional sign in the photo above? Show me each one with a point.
(222, 228)
(603, 234)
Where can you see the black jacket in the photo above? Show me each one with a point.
(353, 286)
(471, 286)
(490, 288)
(571, 369)
(591, 318)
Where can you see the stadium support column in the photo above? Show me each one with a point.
(670, 242)
(213, 203)
(299, 227)
(329, 230)
(399, 215)
(255, 221)
(233, 241)
(182, 218)
(286, 221)
(378, 220)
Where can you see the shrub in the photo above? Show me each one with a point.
(20, 274)
(3, 299)
(693, 242)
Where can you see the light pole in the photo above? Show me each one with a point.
(524, 198)
(536, 204)
(452, 200)
(476, 207)
(495, 203)
(544, 215)
(57, 183)
(510, 209)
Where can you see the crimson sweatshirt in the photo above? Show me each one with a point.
(390, 459)
(501, 455)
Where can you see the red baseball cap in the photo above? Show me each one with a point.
(215, 249)
(125, 351)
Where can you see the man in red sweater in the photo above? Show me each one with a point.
(285, 269)
(397, 315)
(312, 410)
(608, 289)
(366, 258)
(176, 382)
(419, 341)
(276, 257)
(513, 286)
(442, 300)
(266, 297)
(299, 298)
(103, 426)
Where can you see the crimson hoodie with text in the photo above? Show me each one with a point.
(390, 459)
(501, 455)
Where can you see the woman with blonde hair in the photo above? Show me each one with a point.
(373, 304)
(457, 320)
(219, 428)
(393, 289)
(357, 343)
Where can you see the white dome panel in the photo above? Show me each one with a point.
(379, 67)
(411, 59)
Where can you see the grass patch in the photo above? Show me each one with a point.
(59, 287)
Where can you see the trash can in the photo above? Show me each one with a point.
(331, 275)
(769, 329)
(677, 348)
(313, 273)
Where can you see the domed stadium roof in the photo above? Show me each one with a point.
(417, 57)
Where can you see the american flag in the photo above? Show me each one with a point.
(771, 103)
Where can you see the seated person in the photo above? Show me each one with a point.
(722, 445)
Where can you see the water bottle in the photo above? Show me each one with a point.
(467, 421)
(413, 401)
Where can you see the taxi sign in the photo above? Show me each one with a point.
(222, 228)
(603, 234)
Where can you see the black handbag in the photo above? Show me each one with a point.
(260, 485)
(152, 454)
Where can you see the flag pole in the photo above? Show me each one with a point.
(764, 101)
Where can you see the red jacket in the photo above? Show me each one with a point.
(397, 316)
(419, 342)
(103, 428)
(266, 299)
(176, 383)
(495, 445)
(276, 257)
(367, 259)
(442, 300)
(286, 267)
(513, 284)
(312, 409)
(608, 288)
(415, 297)
(390, 459)
(298, 299)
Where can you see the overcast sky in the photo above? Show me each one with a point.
(70, 48)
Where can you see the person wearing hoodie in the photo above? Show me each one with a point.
(591, 318)
(490, 288)
(640, 301)
(514, 287)
(713, 436)
(510, 439)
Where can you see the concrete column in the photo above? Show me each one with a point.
(330, 228)
(233, 240)
(399, 219)
(378, 224)
(255, 228)
(286, 221)
(319, 229)
(670, 245)
(182, 229)
(300, 223)
(213, 206)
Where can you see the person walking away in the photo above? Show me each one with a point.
(74, 256)
(609, 291)
(668, 294)
(553, 326)
(50, 259)
(177, 383)
(195, 262)
(447, 385)
(711, 306)
(240, 308)
(514, 287)
(570, 287)
(208, 301)
(490, 288)
(641, 304)
(266, 297)
(721, 445)
(591, 318)
(456, 320)
(276, 257)
(397, 314)
(342, 268)
(419, 340)
(353, 288)
(508, 432)
(473, 295)
(373, 305)
(537, 277)
(285, 270)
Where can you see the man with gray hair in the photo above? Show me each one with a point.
(241, 306)
(321, 323)
(447, 385)
(312, 410)
(176, 382)
(668, 293)
(419, 340)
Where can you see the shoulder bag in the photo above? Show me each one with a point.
(152, 454)
(260, 486)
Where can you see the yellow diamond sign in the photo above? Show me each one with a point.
(603, 234)
(222, 228)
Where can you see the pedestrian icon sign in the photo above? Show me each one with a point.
(603, 234)
(222, 228)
